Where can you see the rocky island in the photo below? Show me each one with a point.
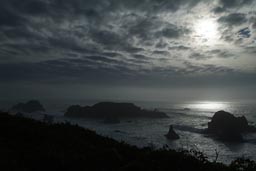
(226, 126)
(172, 135)
(29, 107)
(112, 110)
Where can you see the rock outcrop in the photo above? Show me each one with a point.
(29, 107)
(228, 127)
(112, 110)
(172, 135)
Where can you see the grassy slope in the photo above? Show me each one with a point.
(27, 144)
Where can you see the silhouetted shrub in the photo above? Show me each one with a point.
(242, 164)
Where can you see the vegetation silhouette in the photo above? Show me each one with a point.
(30, 145)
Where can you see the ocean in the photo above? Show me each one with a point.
(188, 120)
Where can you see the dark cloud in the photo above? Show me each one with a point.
(180, 47)
(103, 59)
(206, 68)
(233, 19)
(216, 53)
(98, 42)
(112, 54)
(244, 33)
(140, 56)
(139, 62)
(31, 7)
(9, 18)
(228, 36)
(87, 69)
(143, 28)
(161, 52)
(130, 49)
(153, 5)
(220, 53)
(95, 69)
(46, 26)
(234, 3)
(251, 49)
(218, 10)
(113, 41)
(172, 31)
(69, 43)
(227, 5)
(150, 29)
(107, 38)
(199, 56)
(161, 44)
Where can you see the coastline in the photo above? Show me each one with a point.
(64, 146)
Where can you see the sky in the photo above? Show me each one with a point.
(128, 49)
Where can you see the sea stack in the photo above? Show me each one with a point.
(172, 135)
(227, 127)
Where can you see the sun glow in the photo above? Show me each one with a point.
(206, 29)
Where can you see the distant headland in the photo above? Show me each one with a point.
(29, 107)
(112, 110)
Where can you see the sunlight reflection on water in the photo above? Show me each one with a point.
(209, 105)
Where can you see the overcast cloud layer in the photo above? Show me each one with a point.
(128, 42)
